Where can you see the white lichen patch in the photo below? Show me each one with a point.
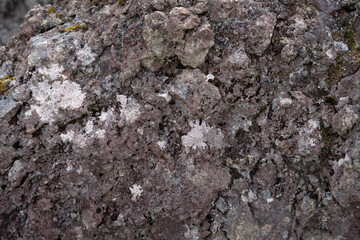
(15, 169)
(82, 140)
(285, 101)
(50, 98)
(349, 119)
(107, 116)
(249, 197)
(52, 73)
(192, 233)
(201, 135)
(78, 140)
(341, 46)
(89, 127)
(330, 53)
(309, 136)
(136, 191)
(86, 56)
(130, 109)
(196, 137)
(100, 134)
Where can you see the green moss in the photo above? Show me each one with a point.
(122, 2)
(350, 38)
(76, 27)
(5, 82)
(348, 60)
(347, 34)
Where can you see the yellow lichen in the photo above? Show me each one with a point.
(76, 27)
(58, 15)
(121, 2)
(5, 82)
(352, 168)
(52, 9)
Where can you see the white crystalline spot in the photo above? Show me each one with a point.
(244, 199)
(68, 137)
(69, 168)
(121, 99)
(82, 140)
(52, 73)
(196, 137)
(251, 196)
(103, 116)
(106, 10)
(107, 117)
(285, 101)
(28, 113)
(161, 144)
(100, 134)
(165, 95)
(15, 169)
(210, 77)
(269, 200)
(136, 191)
(79, 170)
(312, 142)
(313, 124)
(346, 159)
(85, 55)
(130, 109)
(50, 98)
(140, 130)
(89, 127)
(330, 54)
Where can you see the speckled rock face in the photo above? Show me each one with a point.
(12, 14)
(170, 119)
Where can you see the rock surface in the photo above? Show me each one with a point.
(169, 119)
(12, 14)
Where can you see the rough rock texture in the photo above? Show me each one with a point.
(170, 119)
(12, 14)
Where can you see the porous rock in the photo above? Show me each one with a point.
(184, 119)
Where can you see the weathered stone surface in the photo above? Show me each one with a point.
(12, 14)
(170, 119)
(260, 33)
